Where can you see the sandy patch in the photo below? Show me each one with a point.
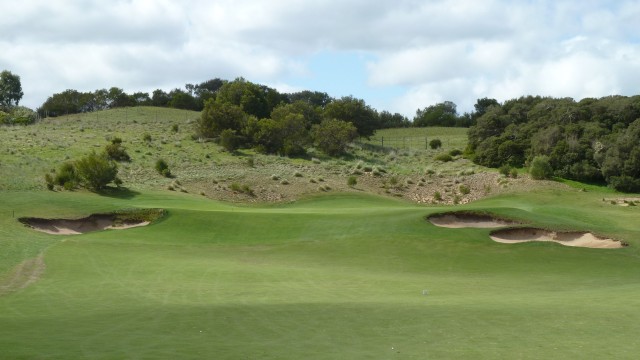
(464, 220)
(581, 239)
(79, 226)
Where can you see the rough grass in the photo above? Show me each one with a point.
(335, 276)
(149, 134)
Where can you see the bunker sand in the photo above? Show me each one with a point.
(573, 238)
(79, 226)
(465, 220)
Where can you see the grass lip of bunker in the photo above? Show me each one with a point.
(469, 219)
(123, 219)
(567, 238)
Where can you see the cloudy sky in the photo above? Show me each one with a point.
(397, 55)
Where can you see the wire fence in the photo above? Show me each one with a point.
(409, 142)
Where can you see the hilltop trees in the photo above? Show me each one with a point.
(332, 136)
(354, 111)
(243, 114)
(10, 90)
(218, 116)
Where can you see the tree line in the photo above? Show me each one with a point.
(591, 140)
(257, 99)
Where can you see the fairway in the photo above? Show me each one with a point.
(336, 276)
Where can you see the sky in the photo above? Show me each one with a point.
(399, 55)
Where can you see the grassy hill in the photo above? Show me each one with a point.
(406, 169)
(352, 272)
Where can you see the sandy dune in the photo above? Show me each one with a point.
(581, 239)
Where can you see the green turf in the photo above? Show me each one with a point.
(328, 277)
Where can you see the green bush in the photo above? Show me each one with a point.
(116, 152)
(66, 176)
(96, 171)
(162, 168)
(455, 152)
(541, 168)
(505, 170)
(352, 181)
(444, 157)
(49, 181)
(625, 183)
(435, 144)
(229, 140)
(464, 189)
(332, 136)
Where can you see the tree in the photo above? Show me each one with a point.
(388, 120)
(285, 133)
(10, 90)
(441, 114)
(217, 116)
(332, 136)
(315, 98)
(253, 99)
(482, 105)
(160, 98)
(541, 168)
(182, 100)
(96, 171)
(355, 111)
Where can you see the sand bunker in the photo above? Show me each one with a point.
(468, 219)
(581, 239)
(80, 226)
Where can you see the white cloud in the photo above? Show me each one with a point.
(435, 50)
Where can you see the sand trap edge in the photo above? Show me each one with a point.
(568, 238)
(118, 220)
(469, 219)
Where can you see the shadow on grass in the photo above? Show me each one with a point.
(118, 193)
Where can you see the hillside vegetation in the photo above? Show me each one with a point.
(408, 170)
(593, 140)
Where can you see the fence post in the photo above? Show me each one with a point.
(382, 139)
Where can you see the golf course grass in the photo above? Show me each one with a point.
(337, 276)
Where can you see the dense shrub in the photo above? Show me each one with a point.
(589, 140)
(435, 144)
(162, 168)
(541, 168)
(115, 151)
(444, 157)
(505, 170)
(332, 136)
(96, 171)
(66, 176)
(229, 140)
(352, 181)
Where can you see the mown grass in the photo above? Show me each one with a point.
(334, 276)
